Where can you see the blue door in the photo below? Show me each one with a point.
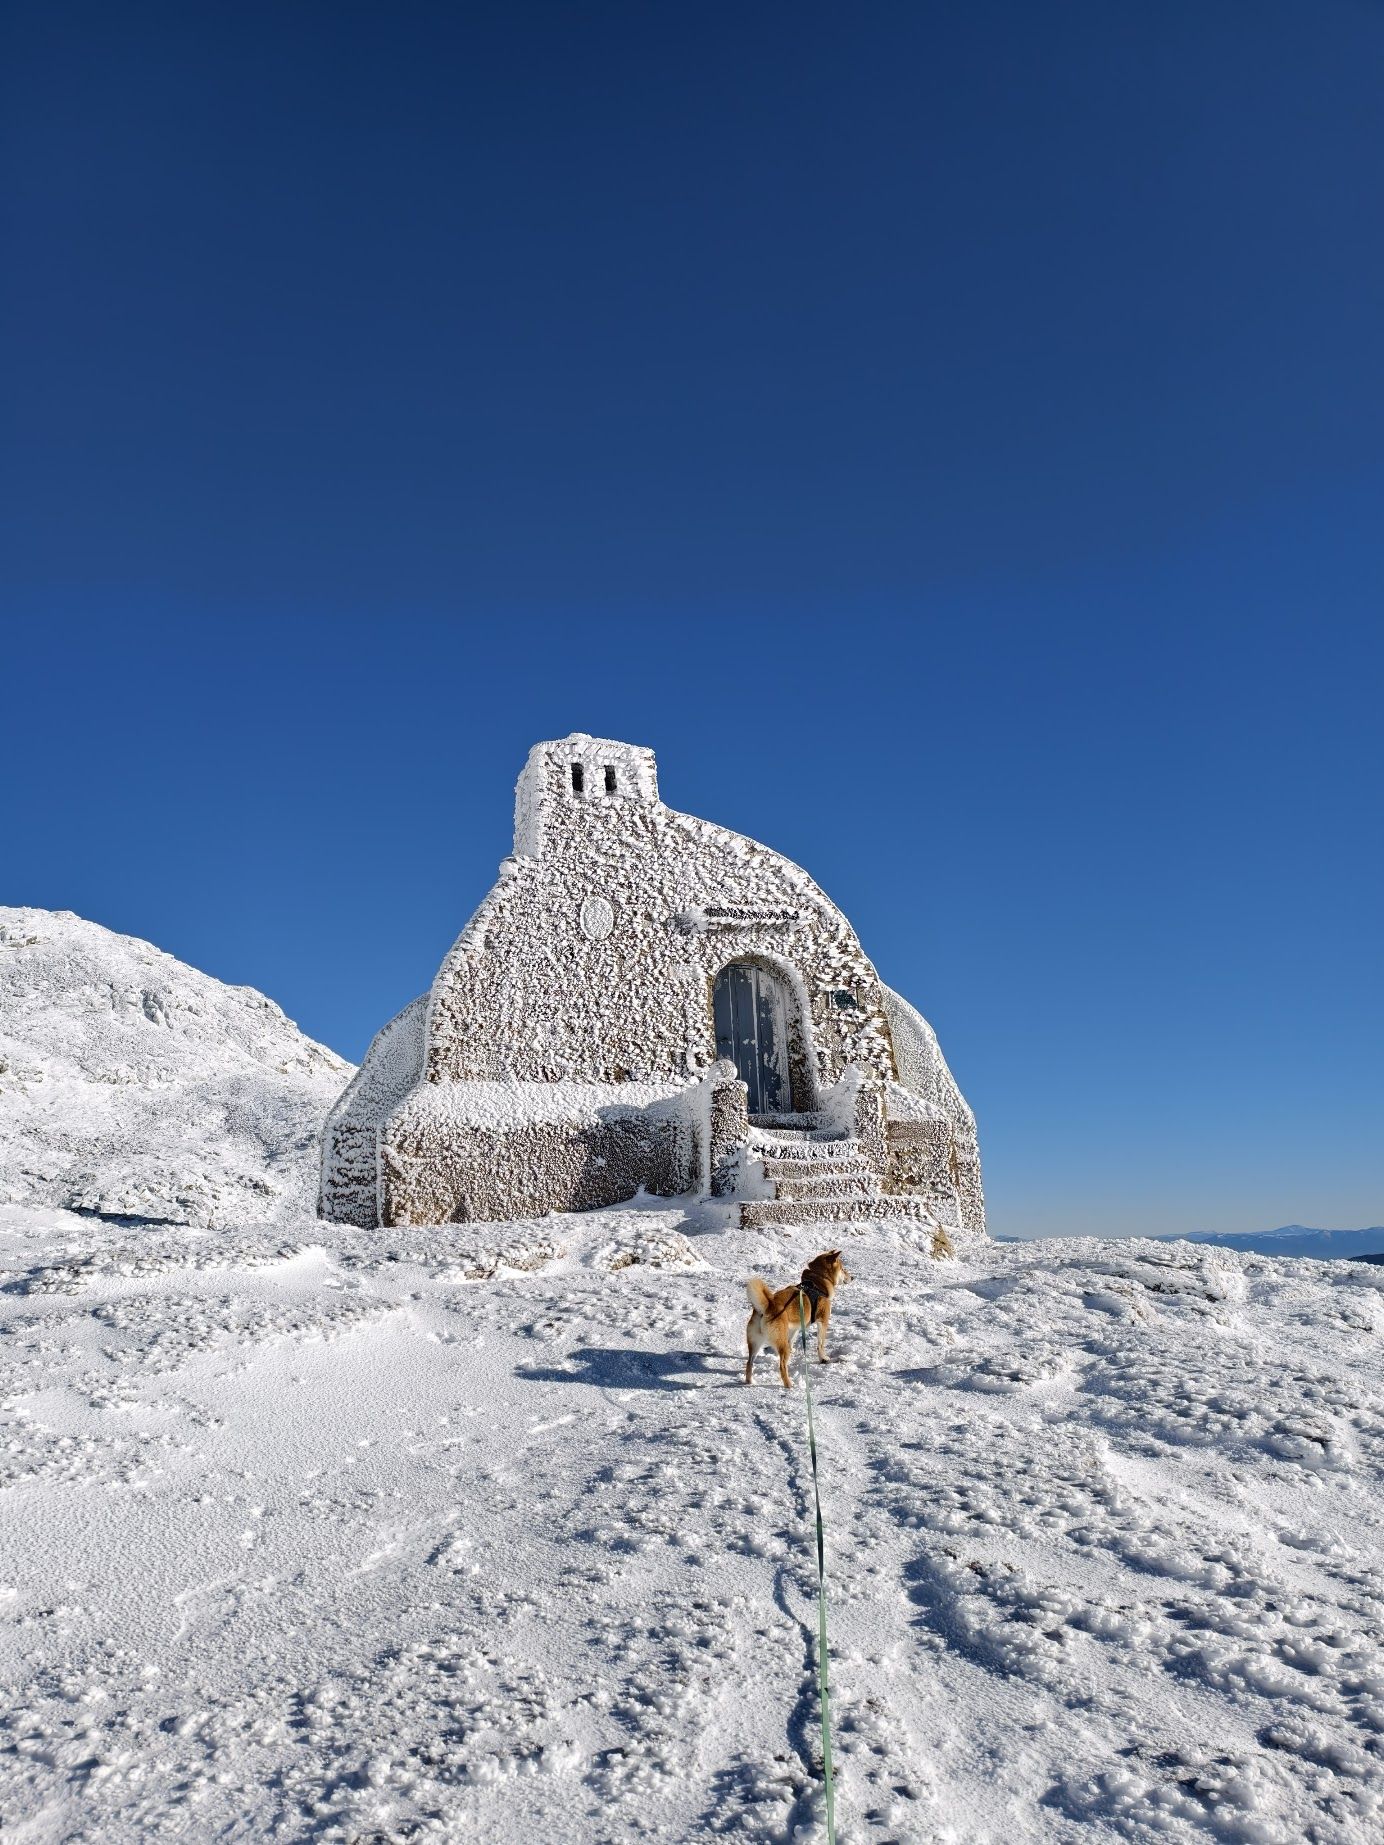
(751, 1030)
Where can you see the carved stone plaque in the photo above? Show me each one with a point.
(596, 918)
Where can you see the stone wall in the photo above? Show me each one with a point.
(559, 1061)
(595, 957)
(480, 1175)
(350, 1144)
(930, 1096)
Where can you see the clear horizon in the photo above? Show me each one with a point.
(953, 440)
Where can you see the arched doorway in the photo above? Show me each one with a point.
(752, 1009)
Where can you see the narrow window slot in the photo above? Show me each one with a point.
(610, 780)
(578, 779)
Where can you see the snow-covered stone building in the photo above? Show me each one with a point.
(649, 1001)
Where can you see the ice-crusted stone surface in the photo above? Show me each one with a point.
(527, 994)
(587, 976)
(933, 1149)
(393, 1063)
(133, 1087)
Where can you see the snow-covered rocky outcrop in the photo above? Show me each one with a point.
(133, 1087)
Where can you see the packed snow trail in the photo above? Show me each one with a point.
(474, 1532)
(823, 1645)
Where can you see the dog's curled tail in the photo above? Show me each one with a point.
(758, 1292)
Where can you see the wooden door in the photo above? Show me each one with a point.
(752, 1031)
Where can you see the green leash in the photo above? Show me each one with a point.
(821, 1589)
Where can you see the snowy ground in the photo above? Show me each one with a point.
(469, 1534)
(475, 1534)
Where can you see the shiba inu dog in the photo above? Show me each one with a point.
(775, 1319)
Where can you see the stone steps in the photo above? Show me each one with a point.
(803, 1152)
(817, 1178)
(861, 1186)
(770, 1213)
(812, 1170)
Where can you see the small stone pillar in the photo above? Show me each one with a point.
(729, 1127)
(869, 1122)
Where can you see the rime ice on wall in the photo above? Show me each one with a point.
(560, 1059)
(933, 1150)
(592, 958)
(350, 1168)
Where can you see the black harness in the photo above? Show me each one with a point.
(813, 1291)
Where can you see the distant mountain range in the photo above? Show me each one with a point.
(1290, 1240)
(1298, 1240)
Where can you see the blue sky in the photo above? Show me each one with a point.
(951, 436)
